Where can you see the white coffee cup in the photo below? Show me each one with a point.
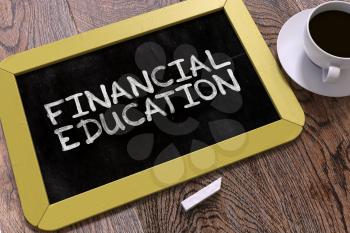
(331, 65)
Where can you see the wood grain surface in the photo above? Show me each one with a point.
(303, 186)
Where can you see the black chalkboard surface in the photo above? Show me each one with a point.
(69, 169)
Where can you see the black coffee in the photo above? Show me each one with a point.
(331, 32)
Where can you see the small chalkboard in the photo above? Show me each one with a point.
(120, 112)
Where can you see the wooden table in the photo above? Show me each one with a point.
(303, 186)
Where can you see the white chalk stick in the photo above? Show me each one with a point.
(201, 195)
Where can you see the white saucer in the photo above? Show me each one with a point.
(290, 49)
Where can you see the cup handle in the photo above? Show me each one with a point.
(331, 74)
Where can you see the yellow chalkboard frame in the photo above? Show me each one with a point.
(36, 207)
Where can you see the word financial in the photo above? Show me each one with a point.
(186, 84)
